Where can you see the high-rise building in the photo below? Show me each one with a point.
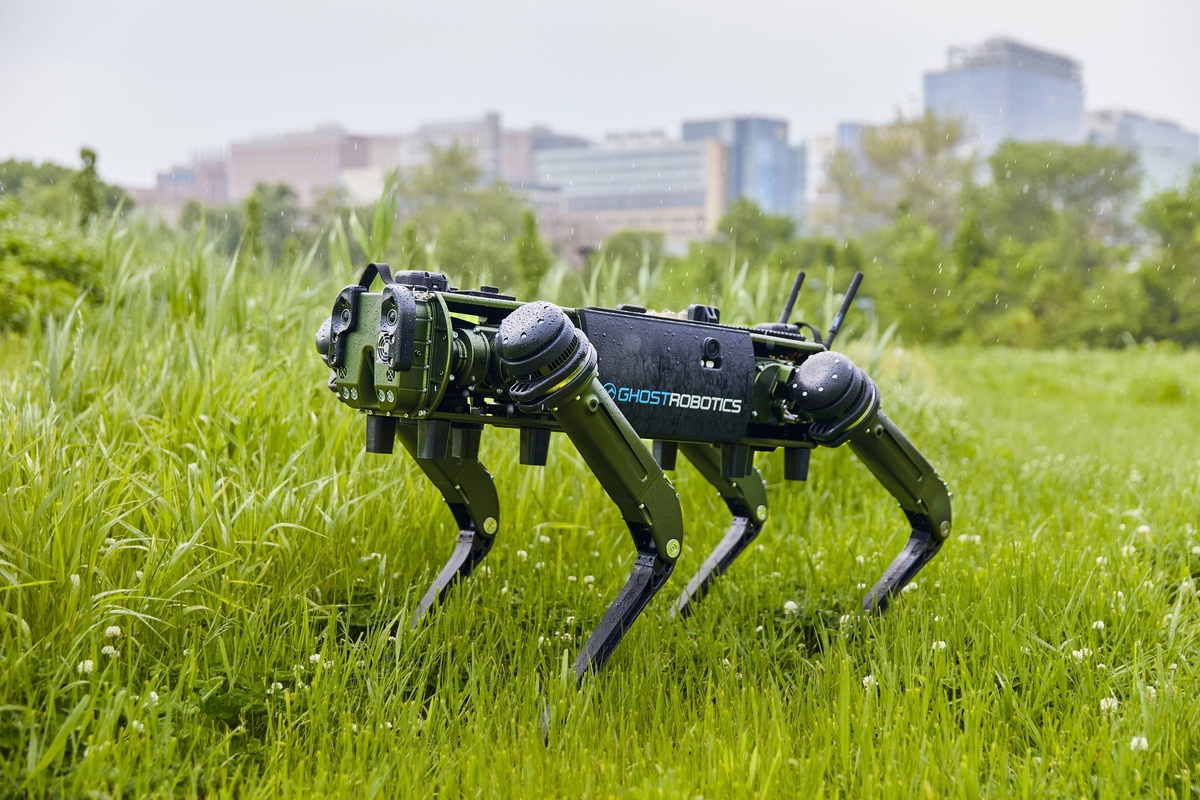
(640, 181)
(1166, 152)
(759, 162)
(1003, 89)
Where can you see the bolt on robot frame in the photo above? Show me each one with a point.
(431, 365)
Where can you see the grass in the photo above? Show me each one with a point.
(171, 464)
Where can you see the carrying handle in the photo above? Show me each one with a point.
(371, 270)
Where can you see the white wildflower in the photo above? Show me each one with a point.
(1151, 693)
(1187, 587)
(589, 579)
(541, 639)
(327, 664)
(354, 727)
(1128, 551)
(862, 586)
(759, 629)
(110, 651)
(790, 608)
(138, 726)
(1101, 667)
(912, 587)
(139, 574)
(544, 539)
(85, 667)
(869, 682)
(566, 637)
(521, 554)
(1173, 667)
(151, 700)
(539, 565)
(939, 645)
(776, 574)
(570, 619)
(861, 560)
(844, 618)
(968, 538)
(1108, 705)
(595, 554)
(1143, 531)
(1138, 743)
(112, 631)
(1098, 625)
(315, 658)
(1101, 561)
(572, 578)
(1196, 550)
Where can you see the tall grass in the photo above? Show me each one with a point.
(172, 465)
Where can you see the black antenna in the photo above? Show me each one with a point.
(791, 300)
(841, 314)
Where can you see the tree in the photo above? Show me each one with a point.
(633, 247)
(469, 227)
(1045, 189)
(753, 232)
(89, 191)
(915, 167)
(531, 257)
(1170, 276)
(252, 209)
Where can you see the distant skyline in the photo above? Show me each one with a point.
(146, 83)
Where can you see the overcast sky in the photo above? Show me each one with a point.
(145, 83)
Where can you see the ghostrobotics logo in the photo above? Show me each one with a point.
(653, 397)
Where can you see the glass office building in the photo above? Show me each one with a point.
(1166, 152)
(1006, 90)
(760, 165)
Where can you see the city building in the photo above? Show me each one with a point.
(759, 162)
(204, 178)
(799, 202)
(1003, 89)
(640, 181)
(820, 198)
(501, 154)
(1166, 152)
(309, 162)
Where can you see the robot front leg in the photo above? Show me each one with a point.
(844, 404)
(555, 366)
(448, 455)
(746, 496)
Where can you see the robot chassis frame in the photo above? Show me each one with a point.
(431, 365)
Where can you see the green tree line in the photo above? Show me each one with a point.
(1043, 244)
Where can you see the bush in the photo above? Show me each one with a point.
(44, 266)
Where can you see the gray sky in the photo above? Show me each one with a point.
(145, 82)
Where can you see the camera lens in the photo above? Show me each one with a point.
(391, 316)
(712, 348)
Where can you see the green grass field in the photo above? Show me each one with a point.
(200, 570)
